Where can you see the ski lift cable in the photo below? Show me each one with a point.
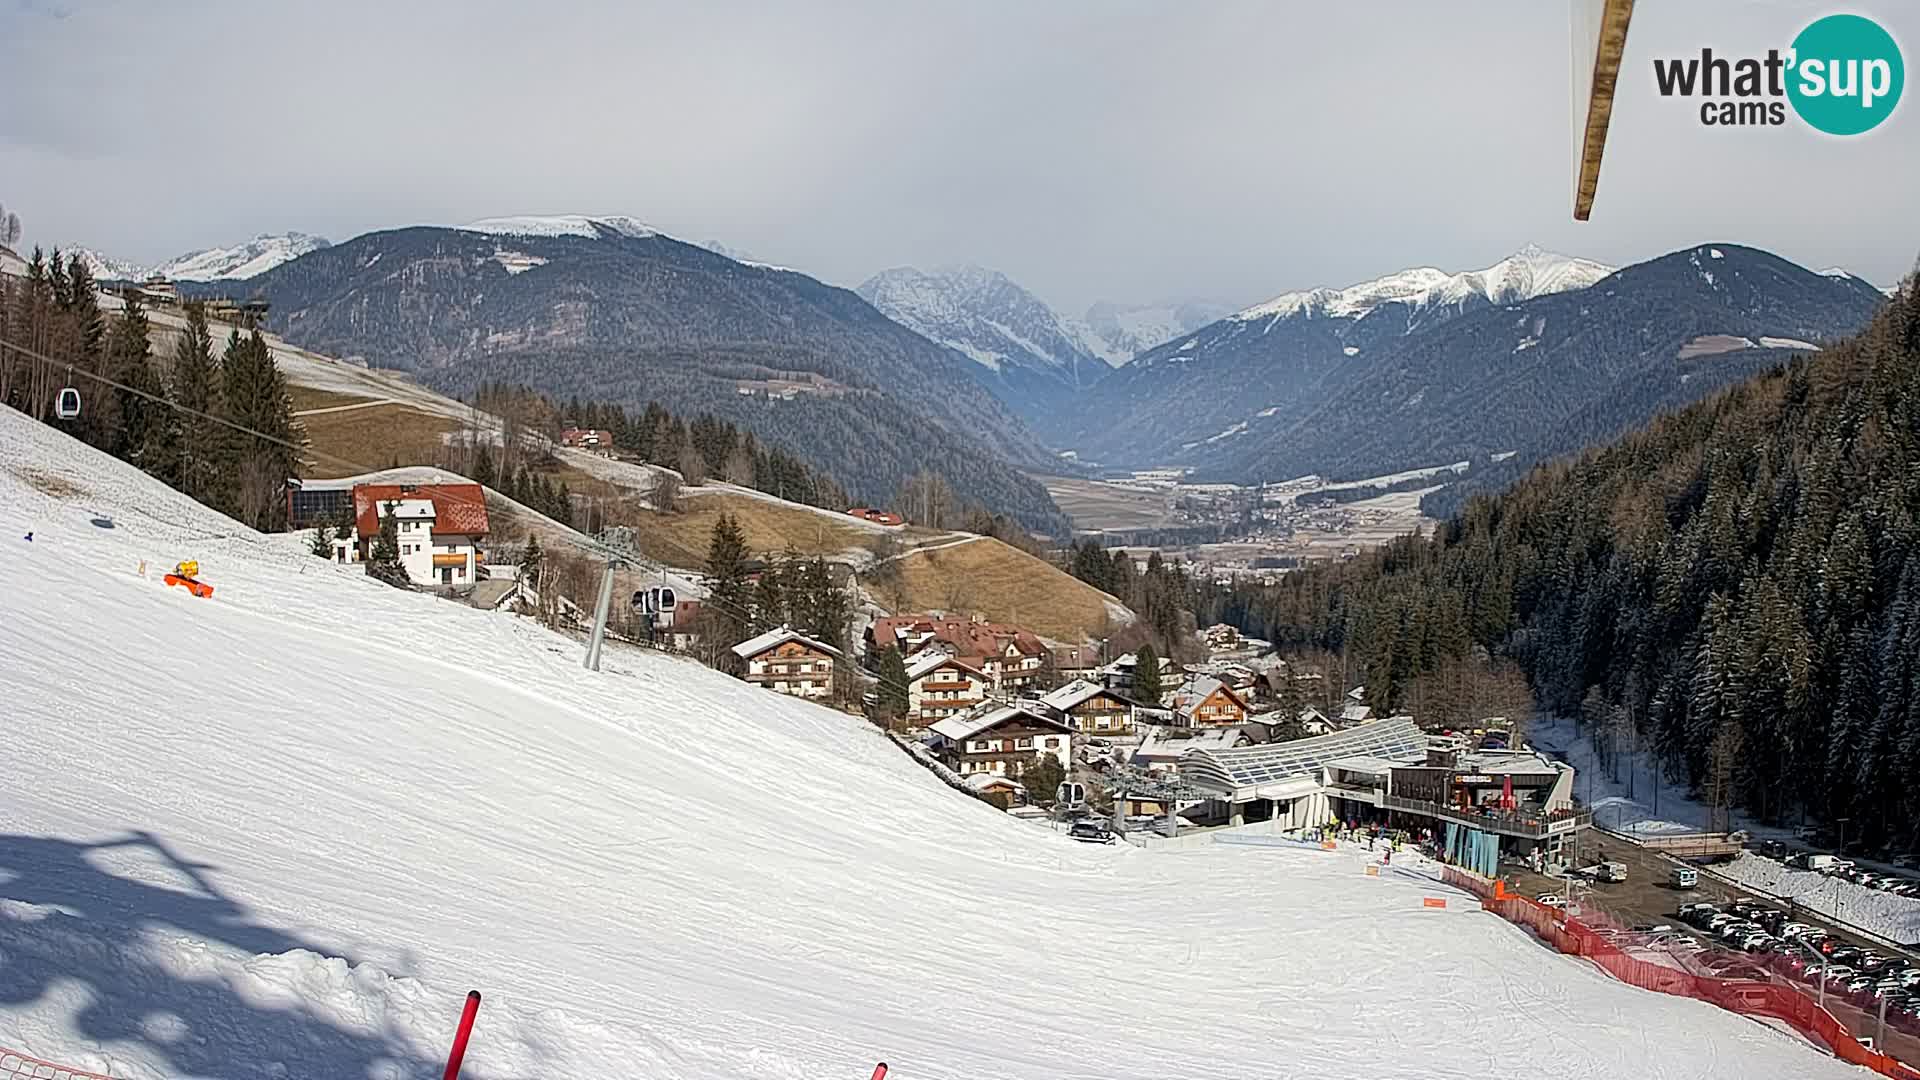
(592, 544)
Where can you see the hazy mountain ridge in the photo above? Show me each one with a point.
(608, 307)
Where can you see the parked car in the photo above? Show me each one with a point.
(1686, 944)
(1846, 954)
(1552, 899)
(1755, 942)
(1734, 931)
(1859, 984)
(1793, 930)
(1091, 832)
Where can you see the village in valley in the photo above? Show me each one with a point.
(1103, 735)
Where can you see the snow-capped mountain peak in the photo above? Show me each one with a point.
(1119, 332)
(106, 268)
(979, 312)
(242, 261)
(236, 263)
(1525, 274)
(591, 226)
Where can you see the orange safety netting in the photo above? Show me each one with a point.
(1749, 997)
(17, 1066)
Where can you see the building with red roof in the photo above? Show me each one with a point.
(439, 528)
(1009, 656)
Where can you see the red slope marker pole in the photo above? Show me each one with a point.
(460, 1037)
(880, 1071)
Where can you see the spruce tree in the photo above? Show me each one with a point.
(772, 605)
(530, 559)
(728, 594)
(322, 542)
(262, 458)
(384, 562)
(1146, 676)
(196, 388)
(892, 672)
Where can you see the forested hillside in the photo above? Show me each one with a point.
(1737, 584)
(607, 309)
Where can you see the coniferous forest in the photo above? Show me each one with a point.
(1736, 586)
(146, 408)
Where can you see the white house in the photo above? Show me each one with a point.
(786, 661)
(1000, 739)
(438, 527)
(939, 686)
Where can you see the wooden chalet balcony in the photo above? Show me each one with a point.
(957, 684)
(443, 559)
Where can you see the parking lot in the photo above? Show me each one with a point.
(1647, 898)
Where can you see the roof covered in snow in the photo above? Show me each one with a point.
(754, 646)
(986, 717)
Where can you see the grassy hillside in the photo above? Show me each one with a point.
(1001, 582)
(359, 420)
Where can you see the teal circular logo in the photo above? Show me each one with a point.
(1846, 75)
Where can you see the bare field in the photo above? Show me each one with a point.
(1093, 504)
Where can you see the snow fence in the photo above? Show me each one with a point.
(1748, 997)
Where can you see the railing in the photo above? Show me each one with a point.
(1532, 826)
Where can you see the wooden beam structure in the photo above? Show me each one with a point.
(1612, 45)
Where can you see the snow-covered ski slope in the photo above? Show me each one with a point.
(281, 832)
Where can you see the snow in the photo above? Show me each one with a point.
(1788, 343)
(1715, 253)
(1117, 333)
(1237, 429)
(282, 831)
(1268, 411)
(236, 263)
(1893, 917)
(517, 262)
(1503, 455)
(1525, 274)
(1526, 343)
(1351, 350)
(593, 227)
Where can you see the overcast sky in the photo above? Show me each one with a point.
(1092, 149)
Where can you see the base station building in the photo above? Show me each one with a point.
(1482, 803)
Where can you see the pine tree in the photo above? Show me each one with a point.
(384, 563)
(771, 605)
(322, 542)
(892, 672)
(196, 388)
(1146, 676)
(254, 397)
(530, 559)
(728, 594)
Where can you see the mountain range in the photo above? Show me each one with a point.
(1537, 353)
(1026, 353)
(964, 372)
(611, 309)
(236, 263)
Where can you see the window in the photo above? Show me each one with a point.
(1024, 744)
(1052, 744)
